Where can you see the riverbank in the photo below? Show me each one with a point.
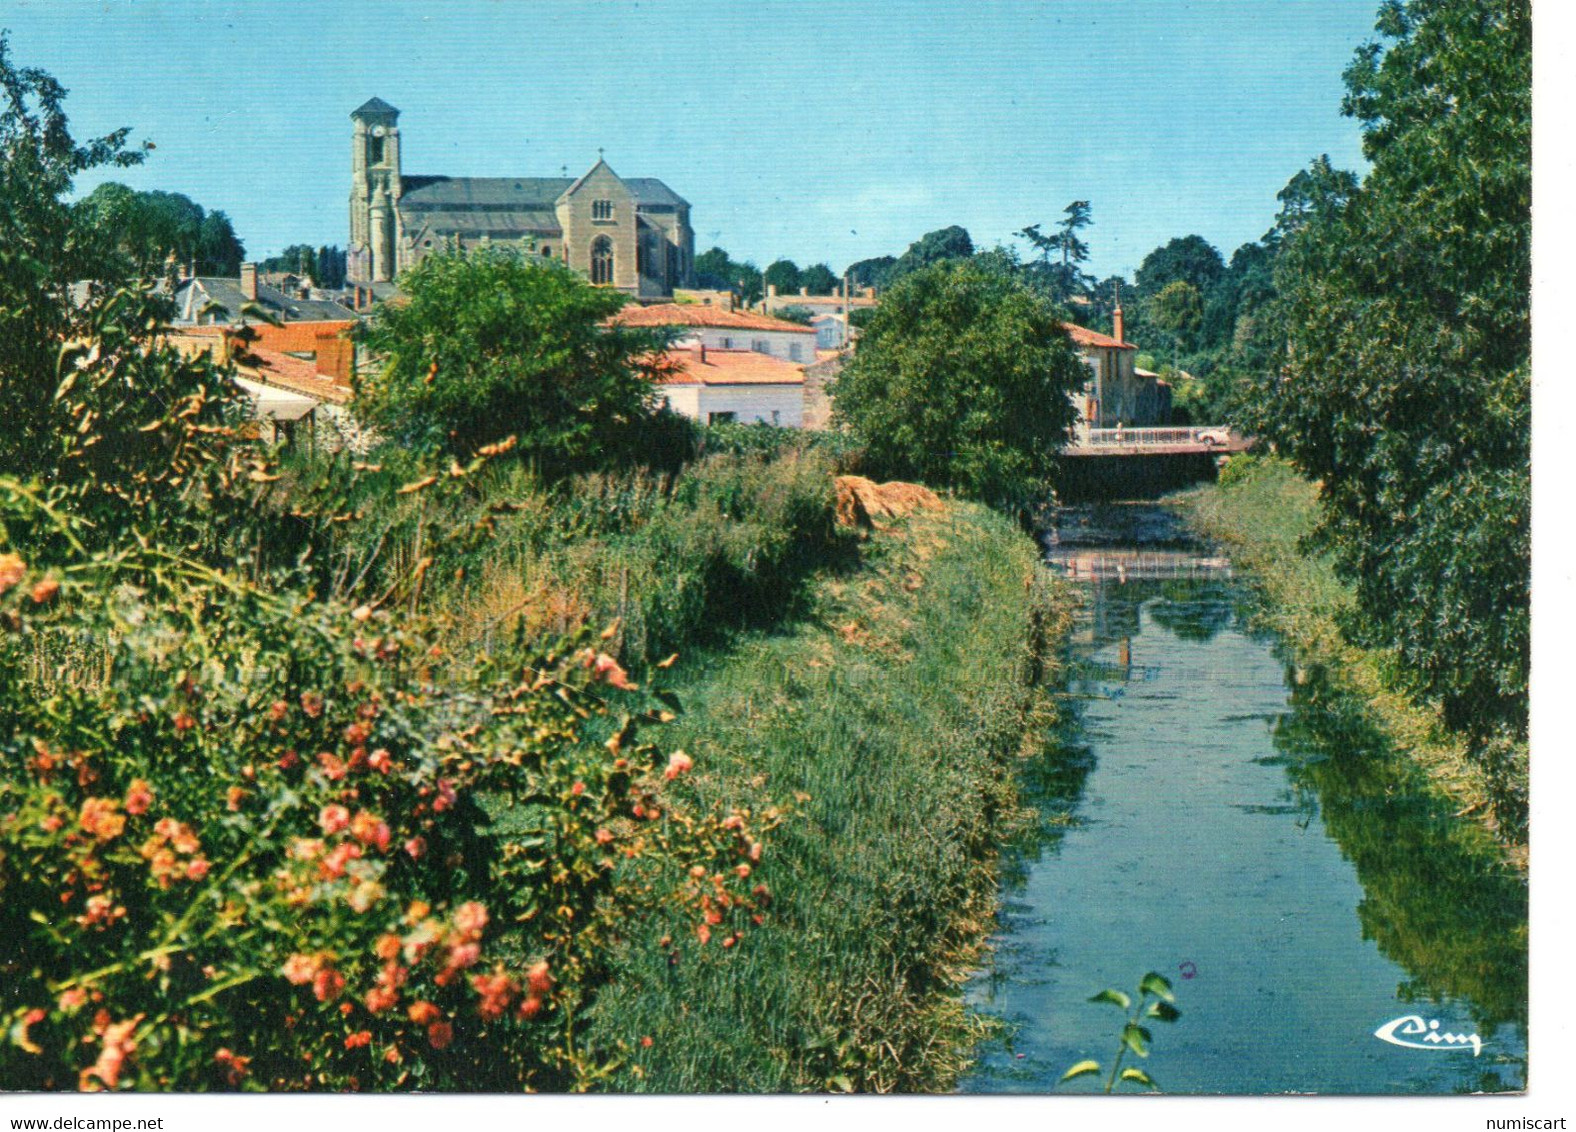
(1261, 509)
(886, 723)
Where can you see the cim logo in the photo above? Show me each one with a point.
(1413, 1032)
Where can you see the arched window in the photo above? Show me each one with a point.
(601, 260)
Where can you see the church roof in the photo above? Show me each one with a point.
(497, 223)
(456, 194)
(373, 106)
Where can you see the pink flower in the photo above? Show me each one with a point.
(416, 846)
(333, 818)
(369, 829)
(470, 919)
(300, 969)
(139, 796)
(446, 796)
(678, 763)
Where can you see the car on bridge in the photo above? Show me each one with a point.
(1214, 437)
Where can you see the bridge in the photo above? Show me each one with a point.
(1103, 565)
(1191, 440)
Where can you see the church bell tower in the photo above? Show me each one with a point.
(374, 193)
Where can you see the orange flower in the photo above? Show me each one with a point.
(333, 818)
(72, 1000)
(45, 590)
(606, 668)
(233, 797)
(235, 1068)
(387, 946)
(530, 1007)
(416, 846)
(678, 763)
(300, 969)
(99, 818)
(446, 796)
(183, 721)
(139, 796)
(470, 919)
(703, 933)
(332, 866)
(11, 570)
(327, 984)
(645, 1042)
(539, 977)
(380, 999)
(496, 991)
(112, 1057)
(369, 829)
(423, 1013)
(312, 704)
(604, 836)
(197, 868)
(381, 761)
(358, 1039)
(578, 788)
(440, 1034)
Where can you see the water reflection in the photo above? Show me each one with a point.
(1219, 811)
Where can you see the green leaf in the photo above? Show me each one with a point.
(1082, 1069)
(1162, 1011)
(1113, 996)
(1139, 1076)
(1156, 985)
(1136, 1038)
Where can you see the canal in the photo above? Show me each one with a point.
(1226, 819)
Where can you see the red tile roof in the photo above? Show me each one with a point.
(732, 367)
(267, 366)
(694, 314)
(1083, 336)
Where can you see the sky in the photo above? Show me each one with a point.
(817, 130)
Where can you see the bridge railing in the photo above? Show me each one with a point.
(1138, 437)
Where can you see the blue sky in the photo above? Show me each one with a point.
(820, 131)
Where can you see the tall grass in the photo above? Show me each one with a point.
(1264, 510)
(889, 722)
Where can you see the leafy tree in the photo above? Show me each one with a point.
(784, 275)
(1404, 383)
(801, 315)
(95, 408)
(933, 247)
(298, 258)
(1178, 309)
(871, 272)
(145, 228)
(819, 278)
(961, 379)
(716, 270)
(490, 345)
(331, 267)
(1191, 259)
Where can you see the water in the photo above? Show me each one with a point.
(1229, 821)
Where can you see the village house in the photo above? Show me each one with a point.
(719, 329)
(315, 331)
(718, 386)
(631, 233)
(1117, 394)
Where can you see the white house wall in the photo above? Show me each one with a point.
(768, 404)
(779, 343)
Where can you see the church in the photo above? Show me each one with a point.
(632, 234)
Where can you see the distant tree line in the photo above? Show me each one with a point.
(325, 266)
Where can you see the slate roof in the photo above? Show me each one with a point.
(374, 106)
(228, 294)
(466, 194)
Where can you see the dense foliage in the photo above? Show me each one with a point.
(266, 822)
(961, 380)
(149, 227)
(489, 344)
(325, 265)
(1404, 389)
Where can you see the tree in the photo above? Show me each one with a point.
(95, 408)
(784, 275)
(871, 272)
(146, 228)
(1403, 387)
(1073, 249)
(1191, 259)
(490, 344)
(962, 380)
(716, 270)
(1178, 309)
(331, 267)
(933, 247)
(819, 279)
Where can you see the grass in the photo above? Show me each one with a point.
(889, 721)
(1263, 510)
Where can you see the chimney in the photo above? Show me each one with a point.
(771, 290)
(805, 291)
(1116, 316)
(249, 280)
(703, 353)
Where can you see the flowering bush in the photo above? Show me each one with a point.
(251, 840)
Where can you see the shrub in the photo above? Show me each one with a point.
(274, 852)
